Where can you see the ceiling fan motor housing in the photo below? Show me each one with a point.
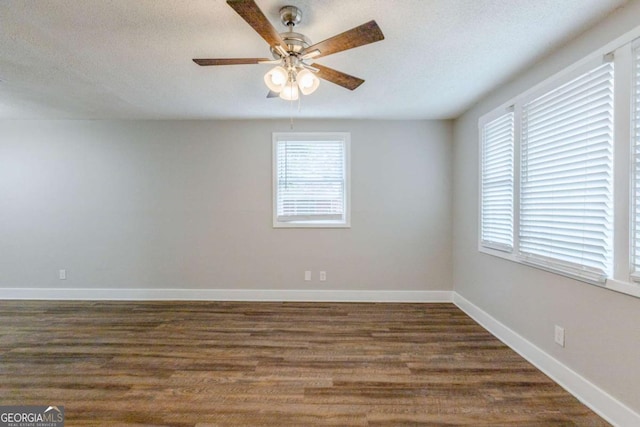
(295, 42)
(290, 16)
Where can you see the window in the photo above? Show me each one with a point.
(497, 184)
(566, 176)
(311, 179)
(559, 172)
(635, 137)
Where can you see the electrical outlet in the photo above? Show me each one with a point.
(62, 274)
(307, 276)
(323, 276)
(559, 336)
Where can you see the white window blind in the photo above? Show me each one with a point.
(310, 180)
(566, 177)
(635, 136)
(497, 184)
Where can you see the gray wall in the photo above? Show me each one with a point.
(602, 326)
(187, 204)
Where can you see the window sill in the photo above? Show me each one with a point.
(627, 288)
(311, 224)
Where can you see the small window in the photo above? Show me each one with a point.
(311, 179)
(497, 184)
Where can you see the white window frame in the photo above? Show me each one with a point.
(345, 138)
(620, 51)
(635, 124)
(487, 120)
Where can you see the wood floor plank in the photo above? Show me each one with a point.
(204, 364)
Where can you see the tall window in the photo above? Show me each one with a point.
(566, 197)
(635, 138)
(497, 184)
(311, 179)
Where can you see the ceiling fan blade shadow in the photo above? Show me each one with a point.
(251, 13)
(338, 77)
(355, 37)
(228, 61)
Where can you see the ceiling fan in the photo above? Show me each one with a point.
(294, 54)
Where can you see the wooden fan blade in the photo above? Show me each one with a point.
(355, 37)
(228, 61)
(272, 94)
(338, 77)
(250, 12)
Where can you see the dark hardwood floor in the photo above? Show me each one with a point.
(271, 364)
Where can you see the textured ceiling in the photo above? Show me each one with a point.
(132, 58)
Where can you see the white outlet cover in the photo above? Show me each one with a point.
(307, 275)
(62, 274)
(559, 335)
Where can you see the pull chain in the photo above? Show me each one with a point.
(291, 113)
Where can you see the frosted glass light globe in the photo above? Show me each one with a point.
(290, 92)
(276, 78)
(307, 81)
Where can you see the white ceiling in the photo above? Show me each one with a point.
(132, 58)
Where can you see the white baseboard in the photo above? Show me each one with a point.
(601, 402)
(224, 295)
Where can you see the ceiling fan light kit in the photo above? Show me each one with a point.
(294, 54)
(285, 79)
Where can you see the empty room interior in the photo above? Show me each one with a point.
(337, 212)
